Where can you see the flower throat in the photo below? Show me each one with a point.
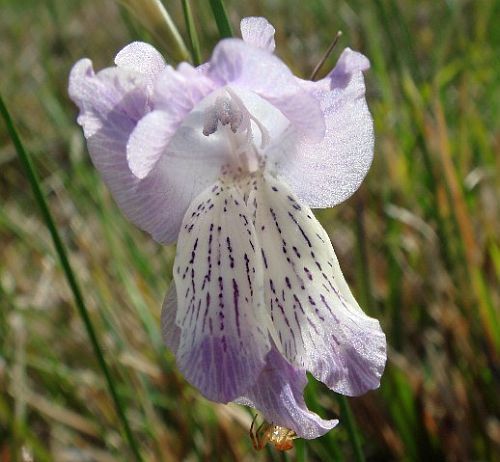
(229, 116)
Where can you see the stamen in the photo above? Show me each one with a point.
(265, 137)
(229, 110)
(210, 122)
(224, 111)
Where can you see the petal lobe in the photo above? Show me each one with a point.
(257, 31)
(319, 325)
(220, 312)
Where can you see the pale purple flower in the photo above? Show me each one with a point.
(227, 159)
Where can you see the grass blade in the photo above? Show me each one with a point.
(153, 15)
(223, 24)
(191, 29)
(25, 159)
(348, 419)
(300, 451)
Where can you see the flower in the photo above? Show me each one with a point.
(227, 158)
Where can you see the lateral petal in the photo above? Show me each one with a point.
(112, 103)
(329, 172)
(148, 141)
(319, 325)
(224, 337)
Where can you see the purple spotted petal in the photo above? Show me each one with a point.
(224, 339)
(278, 396)
(236, 63)
(327, 173)
(318, 325)
(258, 32)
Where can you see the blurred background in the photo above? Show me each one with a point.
(418, 242)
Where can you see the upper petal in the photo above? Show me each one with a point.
(327, 173)
(223, 341)
(257, 31)
(178, 90)
(236, 63)
(349, 64)
(278, 396)
(142, 58)
(319, 325)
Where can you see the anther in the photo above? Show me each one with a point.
(224, 111)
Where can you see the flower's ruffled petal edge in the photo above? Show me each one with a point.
(236, 63)
(111, 104)
(350, 63)
(223, 340)
(257, 31)
(327, 173)
(317, 325)
(176, 92)
(278, 396)
(148, 141)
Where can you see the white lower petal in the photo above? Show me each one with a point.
(319, 325)
(220, 312)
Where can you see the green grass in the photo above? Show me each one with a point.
(418, 242)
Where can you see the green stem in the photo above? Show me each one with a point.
(300, 450)
(348, 419)
(191, 29)
(25, 159)
(221, 18)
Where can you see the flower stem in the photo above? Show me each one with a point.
(191, 29)
(223, 24)
(25, 159)
(348, 418)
